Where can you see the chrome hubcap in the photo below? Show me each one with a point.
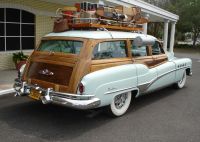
(181, 81)
(120, 100)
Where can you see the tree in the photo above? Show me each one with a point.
(159, 3)
(189, 13)
(156, 28)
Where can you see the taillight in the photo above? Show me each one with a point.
(81, 88)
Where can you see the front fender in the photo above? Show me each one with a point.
(182, 64)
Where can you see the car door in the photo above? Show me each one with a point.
(142, 55)
(165, 68)
(144, 62)
(158, 54)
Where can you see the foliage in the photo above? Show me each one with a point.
(183, 46)
(189, 13)
(159, 3)
(19, 56)
(156, 29)
(186, 46)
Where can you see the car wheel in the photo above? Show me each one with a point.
(120, 104)
(182, 82)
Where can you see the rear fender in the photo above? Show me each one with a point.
(105, 84)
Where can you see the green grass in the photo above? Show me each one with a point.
(187, 50)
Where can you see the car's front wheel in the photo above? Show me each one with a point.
(120, 104)
(180, 84)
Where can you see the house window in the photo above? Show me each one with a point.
(17, 29)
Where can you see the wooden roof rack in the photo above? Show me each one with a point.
(98, 26)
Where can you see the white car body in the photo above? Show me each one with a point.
(102, 86)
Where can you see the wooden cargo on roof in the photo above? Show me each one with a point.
(95, 16)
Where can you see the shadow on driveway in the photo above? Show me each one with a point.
(53, 122)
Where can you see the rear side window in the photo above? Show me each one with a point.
(110, 49)
(64, 46)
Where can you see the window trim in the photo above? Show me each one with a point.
(20, 36)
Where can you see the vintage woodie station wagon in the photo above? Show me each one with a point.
(87, 69)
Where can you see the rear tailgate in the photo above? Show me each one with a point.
(51, 70)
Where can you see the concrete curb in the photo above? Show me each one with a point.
(7, 91)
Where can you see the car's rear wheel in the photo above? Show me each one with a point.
(180, 84)
(120, 104)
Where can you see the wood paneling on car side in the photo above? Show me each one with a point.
(83, 64)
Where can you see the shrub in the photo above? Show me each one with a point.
(19, 56)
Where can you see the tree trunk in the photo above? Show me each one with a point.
(195, 36)
(194, 42)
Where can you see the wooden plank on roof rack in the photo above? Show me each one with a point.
(92, 25)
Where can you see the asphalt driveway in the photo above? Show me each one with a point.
(168, 115)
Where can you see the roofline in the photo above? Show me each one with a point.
(99, 34)
(149, 8)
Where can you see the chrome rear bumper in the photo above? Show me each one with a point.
(49, 96)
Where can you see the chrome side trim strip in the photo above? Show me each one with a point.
(145, 86)
(120, 90)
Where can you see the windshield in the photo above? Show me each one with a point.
(64, 46)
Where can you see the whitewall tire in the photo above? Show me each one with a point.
(120, 104)
(180, 84)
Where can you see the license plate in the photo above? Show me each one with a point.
(34, 94)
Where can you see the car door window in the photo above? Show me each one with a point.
(110, 49)
(156, 49)
(142, 55)
(138, 51)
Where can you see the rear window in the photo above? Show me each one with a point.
(63, 46)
